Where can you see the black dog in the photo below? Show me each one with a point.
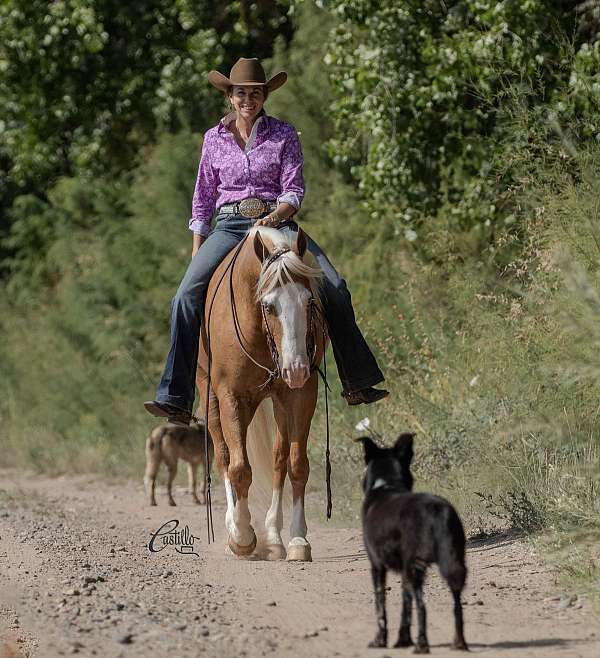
(406, 532)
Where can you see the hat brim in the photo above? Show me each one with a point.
(223, 83)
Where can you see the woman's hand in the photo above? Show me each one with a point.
(197, 243)
(272, 219)
(281, 214)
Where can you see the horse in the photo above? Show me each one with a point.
(263, 336)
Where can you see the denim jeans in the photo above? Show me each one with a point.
(355, 362)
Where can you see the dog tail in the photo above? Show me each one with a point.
(451, 550)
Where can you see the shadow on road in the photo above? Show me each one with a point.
(491, 542)
(522, 644)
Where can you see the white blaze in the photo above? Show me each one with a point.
(290, 302)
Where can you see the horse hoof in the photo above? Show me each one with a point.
(299, 552)
(421, 648)
(241, 551)
(275, 552)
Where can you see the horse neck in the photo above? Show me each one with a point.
(245, 277)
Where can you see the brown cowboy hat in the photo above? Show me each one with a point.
(247, 72)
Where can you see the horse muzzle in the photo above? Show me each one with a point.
(295, 375)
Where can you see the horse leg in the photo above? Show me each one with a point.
(235, 418)
(221, 452)
(274, 519)
(298, 547)
(299, 405)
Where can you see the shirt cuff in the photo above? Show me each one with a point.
(290, 197)
(199, 226)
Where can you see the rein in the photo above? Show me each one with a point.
(272, 374)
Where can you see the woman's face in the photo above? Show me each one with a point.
(247, 101)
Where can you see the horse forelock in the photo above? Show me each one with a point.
(287, 267)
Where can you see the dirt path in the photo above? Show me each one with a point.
(77, 578)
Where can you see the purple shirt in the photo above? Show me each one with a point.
(270, 168)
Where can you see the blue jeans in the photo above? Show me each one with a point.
(355, 362)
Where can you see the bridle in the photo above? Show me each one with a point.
(272, 373)
(311, 344)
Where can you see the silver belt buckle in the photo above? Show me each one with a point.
(252, 208)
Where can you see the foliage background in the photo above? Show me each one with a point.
(452, 172)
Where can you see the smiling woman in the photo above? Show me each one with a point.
(250, 172)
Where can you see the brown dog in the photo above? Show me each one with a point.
(169, 443)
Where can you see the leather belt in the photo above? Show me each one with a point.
(251, 208)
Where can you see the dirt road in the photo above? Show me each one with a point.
(77, 577)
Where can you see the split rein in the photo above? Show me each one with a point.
(273, 374)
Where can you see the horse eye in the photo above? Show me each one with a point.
(269, 308)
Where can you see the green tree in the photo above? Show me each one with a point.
(84, 84)
(421, 90)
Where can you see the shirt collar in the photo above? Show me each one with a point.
(259, 123)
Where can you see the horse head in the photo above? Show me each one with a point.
(287, 289)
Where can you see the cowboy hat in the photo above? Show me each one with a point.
(247, 72)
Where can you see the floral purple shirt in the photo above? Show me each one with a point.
(270, 168)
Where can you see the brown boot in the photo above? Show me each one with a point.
(173, 414)
(365, 396)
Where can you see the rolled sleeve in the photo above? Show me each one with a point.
(205, 192)
(292, 179)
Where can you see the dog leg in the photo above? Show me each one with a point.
(172, 466)
(417, 586)
(193, 481)
(150, 478)
(378, 576)
(404, 639)
(459, 639)
(202, 497)
(153, 460)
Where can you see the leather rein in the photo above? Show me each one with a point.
(273, 373)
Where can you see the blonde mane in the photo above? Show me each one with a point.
(287, 266)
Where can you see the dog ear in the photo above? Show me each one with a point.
(404, 448)
(260, 249)
(370, 447)
(301, 243)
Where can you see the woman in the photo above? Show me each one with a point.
(251, 167)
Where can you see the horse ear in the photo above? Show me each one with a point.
(370, 447)
(404, 448)
(301, 243)
(260, 249)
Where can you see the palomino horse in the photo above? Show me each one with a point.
(263, 328)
